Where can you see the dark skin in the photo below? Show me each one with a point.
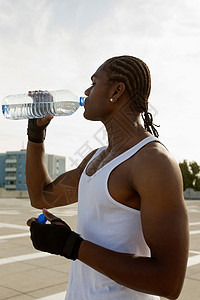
(150, 181)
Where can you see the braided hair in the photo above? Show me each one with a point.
(135, 74)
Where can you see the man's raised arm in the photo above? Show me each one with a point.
(43, 191)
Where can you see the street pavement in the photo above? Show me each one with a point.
(26, 273)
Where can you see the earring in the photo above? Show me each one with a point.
(111, 99)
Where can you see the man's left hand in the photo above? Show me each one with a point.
(56, 238)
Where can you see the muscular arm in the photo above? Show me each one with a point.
(165, 228)
(44, 192)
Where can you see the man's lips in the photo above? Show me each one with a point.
(85, 101)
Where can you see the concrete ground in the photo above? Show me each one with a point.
(26, 273)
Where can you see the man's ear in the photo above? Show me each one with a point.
(118, 90)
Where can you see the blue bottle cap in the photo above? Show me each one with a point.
(41, 219)
(82, 101)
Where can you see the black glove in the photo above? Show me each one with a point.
(55, 239)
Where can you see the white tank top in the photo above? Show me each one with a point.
(108, 223)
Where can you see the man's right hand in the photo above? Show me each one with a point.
(41, 122)
(37, 129)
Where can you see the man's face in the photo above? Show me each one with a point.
(97, 104)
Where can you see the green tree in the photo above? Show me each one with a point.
(197, 184)
(186, 174)
(191, 175)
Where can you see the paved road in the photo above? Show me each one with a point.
(29, 274)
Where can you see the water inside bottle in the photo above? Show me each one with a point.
(39, 109)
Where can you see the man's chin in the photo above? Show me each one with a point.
(90, 118)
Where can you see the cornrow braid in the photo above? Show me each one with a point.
(148, 123)
(135, 74)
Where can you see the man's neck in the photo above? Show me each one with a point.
(124, 131)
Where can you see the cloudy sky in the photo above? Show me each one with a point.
(58, 44)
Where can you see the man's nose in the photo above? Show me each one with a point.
(87, 92)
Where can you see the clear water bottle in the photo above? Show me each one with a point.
(41, 103)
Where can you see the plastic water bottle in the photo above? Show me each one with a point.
(41, 103)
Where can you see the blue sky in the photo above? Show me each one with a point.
(46, 44)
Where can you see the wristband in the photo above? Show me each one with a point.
(72, 246)
(35, 133)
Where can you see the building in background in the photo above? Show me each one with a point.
(55, 165)
(12, 169)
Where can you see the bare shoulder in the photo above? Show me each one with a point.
(154, 153)
(156, 168)
(157, 178)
